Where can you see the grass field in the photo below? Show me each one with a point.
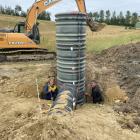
(97, 41)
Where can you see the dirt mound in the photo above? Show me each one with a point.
(29, 89)
(115, 93)
(46, 128)
(125, 62)
(20, 117)
(120, 65)
(135, 101)
(28, 123)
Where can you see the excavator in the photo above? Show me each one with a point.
(22, 42)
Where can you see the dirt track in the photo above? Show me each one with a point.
(20, 116)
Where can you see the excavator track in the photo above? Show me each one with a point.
(33, 54)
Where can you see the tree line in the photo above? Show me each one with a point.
(17, 11)
(108, 17)
(121, 19)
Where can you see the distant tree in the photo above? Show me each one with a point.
(101, 16)
(18, 9)
(96, 16)
(23, 14)
(12, 12)
(108, 14)
(113, 18)
(128, 18)
(44, 16)
(48, 16)
(134, 19)
(117, 22)
(121, 19)
(2, 10)
(8, 10)
(90, 14)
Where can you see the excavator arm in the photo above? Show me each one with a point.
(39, 6)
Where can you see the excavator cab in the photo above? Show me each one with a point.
(19, 27)
(34, 34)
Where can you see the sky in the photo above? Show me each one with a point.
(92, 5)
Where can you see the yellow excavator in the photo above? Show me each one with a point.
(21, 43)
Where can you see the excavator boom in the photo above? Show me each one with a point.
(42, 5)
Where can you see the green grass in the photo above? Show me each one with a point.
(111, 36)
(96, 42)
(99, 44)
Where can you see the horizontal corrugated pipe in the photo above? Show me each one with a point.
(65, 103)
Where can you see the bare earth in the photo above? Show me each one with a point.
(20, 117)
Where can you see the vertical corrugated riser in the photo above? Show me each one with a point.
(70, 42)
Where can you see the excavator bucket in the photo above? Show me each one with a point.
(94, 26)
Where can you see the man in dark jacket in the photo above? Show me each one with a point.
(96, 93)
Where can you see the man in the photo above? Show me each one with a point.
(50, 90)
(96, 92)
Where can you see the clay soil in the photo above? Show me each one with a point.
(117, 71)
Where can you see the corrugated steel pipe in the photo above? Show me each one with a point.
(70, 44)
(64, 103)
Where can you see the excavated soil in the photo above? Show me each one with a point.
(117, 71)
(125, 62)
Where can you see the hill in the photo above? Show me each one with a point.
(97, 41)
